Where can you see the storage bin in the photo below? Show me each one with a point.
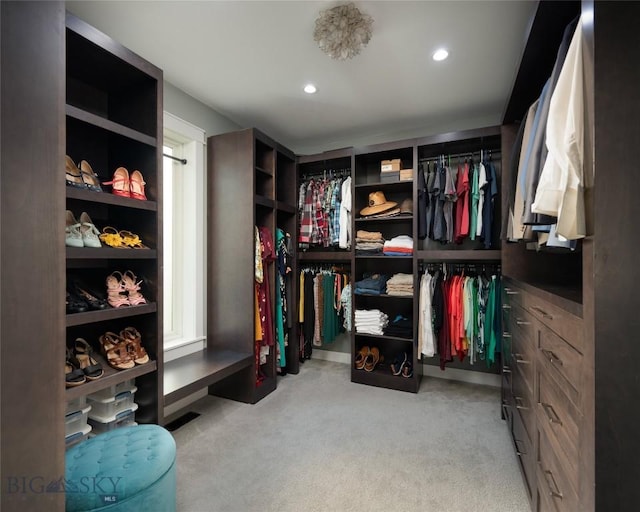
(107, 407)
(76, 404)
(111, 391)
(107, 424)
(76, 421)
(77, 437)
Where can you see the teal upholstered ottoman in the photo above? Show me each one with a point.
(126, 470)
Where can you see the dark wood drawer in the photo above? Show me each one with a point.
(523, 326)
(524, 451)
(552, 480)
(524, 404)
(565, 324)
(545, 501)
(559, 420)
(562, 360)
(522, 361)
(512, 295)
(506, 352)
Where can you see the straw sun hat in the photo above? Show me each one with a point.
(377, 204)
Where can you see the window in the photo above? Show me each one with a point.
(183, 238)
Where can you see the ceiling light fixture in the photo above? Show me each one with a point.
(310, 89)
(440, 54)
(342, 31)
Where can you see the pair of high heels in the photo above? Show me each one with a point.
(80, 365)
(81, 234)
(81, 299)
(124, 289)
(124, 351)
(127, 186)
(81, 177)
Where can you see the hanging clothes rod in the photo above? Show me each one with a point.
(459, 155)
(183, 161)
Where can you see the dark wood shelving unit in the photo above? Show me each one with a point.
(385, 296)
(266, 172)
(385, 379)
(186, 375)
(285, 208)
(396, 218)
(382, 336)
(264, 201)
(382, 257)
(113, 115)
(90, 317)
(385, 184)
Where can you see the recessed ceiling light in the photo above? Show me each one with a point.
(310, 88)
(440, 54)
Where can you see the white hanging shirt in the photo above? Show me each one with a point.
(560, 189)
(344, 241)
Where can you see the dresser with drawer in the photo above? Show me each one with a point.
(541, 395)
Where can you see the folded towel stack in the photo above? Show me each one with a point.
(401, 245)
(370, 321)
(369, 242)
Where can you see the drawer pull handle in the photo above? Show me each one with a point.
(522, 322)
(551, 483)
(511, 292)
(506, 369)
(519, 403)
(506, 306)
(519, 360)
(551, 413)
(542, 312)
(506, 335)
(519, 452)
(552, 357)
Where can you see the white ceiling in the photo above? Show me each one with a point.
(249, 61)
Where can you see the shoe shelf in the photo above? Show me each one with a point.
(383, 337)
(109, 253)
(382, 377)
(106, 124)
(111, 199)
(111, 377)
(90, 317)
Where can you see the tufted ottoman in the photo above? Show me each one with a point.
(126, 470)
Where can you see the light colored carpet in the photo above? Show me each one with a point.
(322, 443)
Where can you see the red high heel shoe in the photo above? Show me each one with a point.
(120, 184)
(137, 184)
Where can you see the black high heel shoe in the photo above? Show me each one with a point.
(91, 298)
(75, 304)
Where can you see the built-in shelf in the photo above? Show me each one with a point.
(385, 296)
(285, 207)
(186, 375)
(324, 256)
(106, 124)
(264, 201)
(264, 171)
(382, 256)
(108, 198)
(89, 317)
(395, 218)
(385, 184)
(111, 377)
(383, 337)
(461, 255)
(109, 253)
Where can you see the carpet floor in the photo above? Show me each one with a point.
(322, 443)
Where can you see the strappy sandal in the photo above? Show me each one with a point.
(134, 345)
(133, 288)
(120, 183)
(115, 350)
(136, 184)
(372, 359)
(89, 232)
(84, 353)
(112, 238)
(116, 292)
(89, 297)
(407, 370)
(74, 376)
(89, 177)
(398, 363)
(131, 240)
(361, 357)
(73, 176)
(72, 234)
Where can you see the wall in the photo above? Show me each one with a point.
(181, 105)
